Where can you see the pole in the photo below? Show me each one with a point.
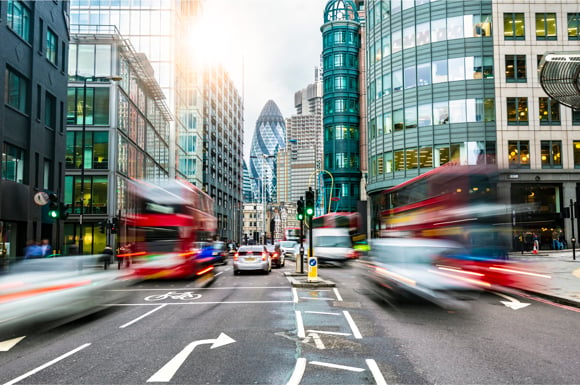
(573, 214)
(301, 255)
(82, 198)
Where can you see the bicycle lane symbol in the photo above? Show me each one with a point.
(185, 296)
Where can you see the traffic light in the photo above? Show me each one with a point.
(300, 209)
(101, 227)
(63, 210)
(309, 202)
(53, 206)
(114, 225)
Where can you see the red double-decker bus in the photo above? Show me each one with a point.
(162, 227)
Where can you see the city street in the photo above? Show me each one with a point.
(258, 329)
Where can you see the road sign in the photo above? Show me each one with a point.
(41, 198)
(312, 269)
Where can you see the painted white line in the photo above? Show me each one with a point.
(331, 333)
(141, 317)
(209, 288)
(335, 366)
(298, 372)
(34, 371)
(220, 273)
(197, 303)
(321, 312)
(317, 341)
(9, 344)
(338, 296)
(295, 294)
(318, 299)
(299, 324)
(379, 379)
(353, 327)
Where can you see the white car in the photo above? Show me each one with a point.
(252, 258)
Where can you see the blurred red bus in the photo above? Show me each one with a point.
(160, 229)
(292, 234)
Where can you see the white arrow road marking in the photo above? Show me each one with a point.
(513, 303)
(44, 366)
(9, 344)
(317, 341)
(169, 369)
(335, 366)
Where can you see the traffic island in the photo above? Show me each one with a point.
(301, 280)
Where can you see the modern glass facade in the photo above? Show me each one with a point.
(341, 43)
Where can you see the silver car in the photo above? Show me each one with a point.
(287, 248)
(252, 258)
(403, 269)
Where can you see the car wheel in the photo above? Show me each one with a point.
(236, 272)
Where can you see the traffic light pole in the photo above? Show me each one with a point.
(301, 256)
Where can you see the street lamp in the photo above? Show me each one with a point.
(84, 128)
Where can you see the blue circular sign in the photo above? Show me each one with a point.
(312, 262)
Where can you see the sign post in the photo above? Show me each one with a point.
(312, 269)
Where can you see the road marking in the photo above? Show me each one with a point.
(353, 327)
(511, 302)
(295, 294)
(318, 299)
(379, 379)
(166, 373)
(209, 288)
(9, 344)
(321, 312)
(141, 317)
(197, 303)
(338, 296)
(317, 341)
(335, 366)
(299, 324)
(298, 372)
(50, 363)
(331, 333)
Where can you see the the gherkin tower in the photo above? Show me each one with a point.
(269, 138)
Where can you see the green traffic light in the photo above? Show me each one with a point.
(309, 211)
(300, 217)
(53, 214)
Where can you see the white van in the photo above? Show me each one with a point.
(332, 245)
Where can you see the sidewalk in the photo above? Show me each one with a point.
(564, 284)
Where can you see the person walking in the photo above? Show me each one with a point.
(46, 248)
(32, 250)
(107, 256)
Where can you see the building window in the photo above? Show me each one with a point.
(519, 154)
(574, 26)
(517, 111)
(515, 68)
(546, 26)
(50, 110)
(551, 154)
(514, 26)
(575, 117)
(95, 194)
(16, 91)
(576, 150)
(97, 106)
(96, 151)
(13, 163)
(549, 111)
(51, 46)
(47, 174)
(19, 19)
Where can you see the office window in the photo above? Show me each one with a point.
(97, 106)
(574, 26)
(51, 46)
(16, 91)
(13, 163)
(551, 154)
(50, 106)
(515, 68)
(519, 154)
(549, 111)
(96, 151)
(19, 19)
(514, 27)
(47, 174)
(576, 150)
(517, 111)
(546, 26)
(575, 117)
(95, 194)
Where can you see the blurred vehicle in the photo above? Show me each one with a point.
(332, 246)
(292, 234)
(287, 248)
(403, 269)
(252, 257)
(278, 257)
(220, 252)
(162, 230)
(41, 291)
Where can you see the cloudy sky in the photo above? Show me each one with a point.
(269, 47)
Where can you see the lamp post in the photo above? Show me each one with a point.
(83, 133)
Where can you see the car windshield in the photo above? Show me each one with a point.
(407, 253)
(332, 241)
(287, 244)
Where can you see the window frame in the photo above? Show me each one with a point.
(21, 23)
(542, 18)
(548, 145)
(516, 100)
(513, 17)
(518, 146)
(515, 61)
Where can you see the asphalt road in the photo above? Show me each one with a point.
(257, 329)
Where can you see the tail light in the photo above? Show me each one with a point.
(353, 255)
(275, 255)
(264, 256)
(236, 256)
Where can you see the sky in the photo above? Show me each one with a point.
(270, 49)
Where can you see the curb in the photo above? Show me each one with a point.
(301, 280)
(553, 298)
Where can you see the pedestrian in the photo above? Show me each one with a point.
(32, 250)
(562, 240)
(107, 256)
(46, 248)
(555, 245)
